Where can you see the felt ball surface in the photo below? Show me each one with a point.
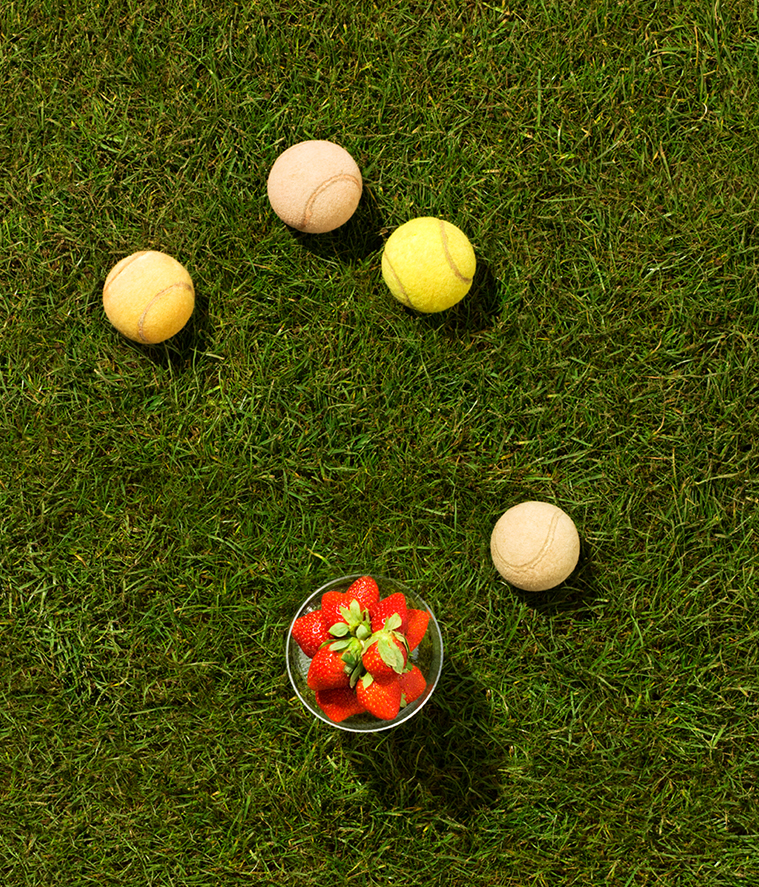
(535, 546)
(314, 186)
(148, 296)
(428, 264)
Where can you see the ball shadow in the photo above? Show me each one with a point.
(181, 350)
(578, 597)
(476, 311)
(353, 242)
(445, 754)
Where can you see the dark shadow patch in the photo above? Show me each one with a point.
(445, 754)
(353, 242)
(578, 596)
(181, 350)
(476, 311)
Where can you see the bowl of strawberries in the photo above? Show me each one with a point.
(364, 653)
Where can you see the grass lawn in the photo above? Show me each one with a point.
(165, 509)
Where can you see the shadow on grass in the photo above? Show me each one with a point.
(353, 242)
(445, 752)
(179, 351)
(578, 597)
(476, 311)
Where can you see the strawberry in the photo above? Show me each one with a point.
(309, 632)
(412, 684)
(384, 609)
(353, 623)
(381, 697)
(365, 590)
(335, 665)
(332, 601)
(418, 620)
(339, 703)
(341, 609)
(386, 654)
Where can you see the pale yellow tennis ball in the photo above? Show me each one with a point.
(535, 546)
(314, 186)
(148, 296)
(428, 264)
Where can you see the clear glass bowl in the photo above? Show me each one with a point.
(428, 656)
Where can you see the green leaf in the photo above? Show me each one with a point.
(393, 622)
(356, 673)
(391, 654)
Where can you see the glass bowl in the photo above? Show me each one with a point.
(428, 656)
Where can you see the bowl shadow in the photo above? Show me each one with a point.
(445, 754)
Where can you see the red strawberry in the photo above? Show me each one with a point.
(381, 697)
(418, 620)
(332, 601)
(365, 590)
(309, 632)
(384, 609)
(344, 609)
(412, 684)
(386, 655)
(339, 704)
(328, 670)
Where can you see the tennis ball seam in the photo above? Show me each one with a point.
(156, 298)
(449, 257)
(340, 177)
(127, 263)
(406, 300)
(550, 536)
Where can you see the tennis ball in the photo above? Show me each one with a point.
(148, 297)
(314, 186)
(428, 264)
(535, 546)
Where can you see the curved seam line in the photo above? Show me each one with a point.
(341, 177)
(449, 257)
(153, 301)
(135, 258)
(406, 300)
(550, 536)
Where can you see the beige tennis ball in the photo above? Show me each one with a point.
(428, 264)
(314, 186)
(535, 546)
(148, 296)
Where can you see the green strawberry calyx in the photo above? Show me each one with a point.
(352, 650)
(350, 638)
(353, 637)
(387, 640)
(357, 622)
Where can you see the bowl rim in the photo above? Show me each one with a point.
(401, 717)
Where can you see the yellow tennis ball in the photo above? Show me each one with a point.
(148, 296)
(428, 264)
(314, 186)
(535, 546)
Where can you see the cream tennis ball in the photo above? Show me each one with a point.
(535, 546)
(428, 264)
(148, 296)
(314, 186)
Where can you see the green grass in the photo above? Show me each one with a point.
(164, 510)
